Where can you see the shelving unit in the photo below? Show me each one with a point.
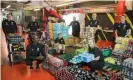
(13, 51)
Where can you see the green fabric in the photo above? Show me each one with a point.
(106, 52)
(79, 51)
(50, 51)
(66, 56)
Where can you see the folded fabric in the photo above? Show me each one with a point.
(106, 52)
(55, 61)
(79, 51)
(130, 43)
(125, 41)
(57, 26)
(119, 39)
(109, 60)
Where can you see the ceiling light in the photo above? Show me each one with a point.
(62, 5)
(3, 10)
(36, 9)
(8, 6)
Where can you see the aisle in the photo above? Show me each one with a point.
(22, 72)
(19, 71)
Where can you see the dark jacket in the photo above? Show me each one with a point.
(60, 41)
(9, 26)
(33, 51)
(33, 26)
(75, 28)
(122, 28)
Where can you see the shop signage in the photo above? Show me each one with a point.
(96, 10)
(89, 10)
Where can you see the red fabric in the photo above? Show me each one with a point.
(104, 44)
(44, 18)
(119, 10)
(53, 13)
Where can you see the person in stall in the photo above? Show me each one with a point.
(33, 25)
(94, 23)
(35, 52)
(122, 29)
(75, 30)
(60, 44)
(9, 26)
(98, 62)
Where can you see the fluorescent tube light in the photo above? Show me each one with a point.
(3, 10)
(36, 9)
(8, 6)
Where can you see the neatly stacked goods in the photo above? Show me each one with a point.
(66, 57)
(65, 32)
(79, 51)
(84, 57)
(130, 47)
(81, 74)
(109, 60)
(53, 64)
(17, 42)
(54, 61)
(15, 38)
(129, 51)
(59, 28)
(114, 72)
(50, 30)
(106, 51)
(64, 75)
(127, 69)
(104, 44)
(122, 43)
(120, 49)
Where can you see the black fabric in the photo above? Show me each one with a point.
(17, 58)
(33, 51)
(122, 29)
(93, 23)
(9, 26)
(33, 26)
(75, 28)
(94, 65)
(60, 41)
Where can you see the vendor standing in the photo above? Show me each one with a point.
(94, 23)
(9, 26)
(33, 25)
(75, 30)
(122, 29)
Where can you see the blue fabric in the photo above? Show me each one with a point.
(57, 27)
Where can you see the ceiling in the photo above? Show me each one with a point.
(32, 4)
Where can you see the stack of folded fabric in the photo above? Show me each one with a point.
(79, 51)
(56, 29)
(50, 30)
(81, 74)
(64, 75)
(65, 32)
(66, 57)
(55, 61)
(84, 57)
(59, 28)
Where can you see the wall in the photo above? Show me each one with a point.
(29, 13)
(18, 16)
(80, 17)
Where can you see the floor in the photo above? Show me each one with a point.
(19, 71)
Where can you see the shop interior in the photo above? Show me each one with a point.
(66, 40)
